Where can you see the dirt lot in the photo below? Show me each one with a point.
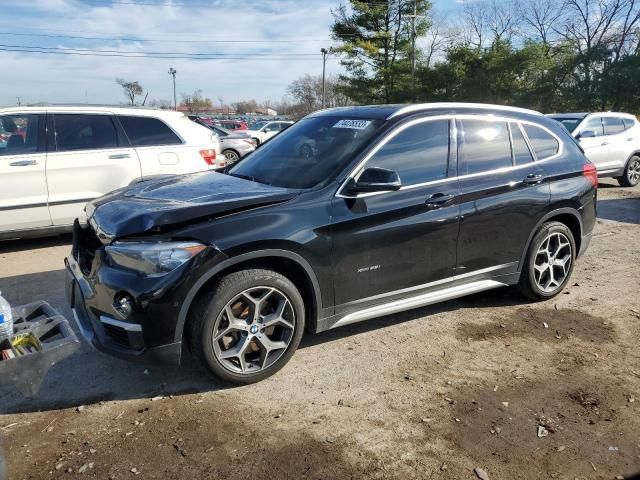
(432, 393)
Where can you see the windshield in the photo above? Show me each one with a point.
(307, 153)
(569, 123)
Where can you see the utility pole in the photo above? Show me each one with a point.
(172, 72)
(324, 52)
(413, 51)
(19, 103)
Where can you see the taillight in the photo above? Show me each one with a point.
(208, 156)
(589, 170)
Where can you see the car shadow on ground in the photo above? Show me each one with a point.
(10, 246)
(89, 377)
(624, 210)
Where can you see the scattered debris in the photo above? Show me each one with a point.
(631, 399)
(179, 449)
(85, 467)
(443, 467)
(561, 448)
(60, 465)
(480, 473)
(546, 325)
(80, 408)
(47, 429)
(135, 471)
(427, 420)
(505, 404)
(146, 371)
(408, 377)
(613, 449)
(542, 432)
(450, 401)
(155, 399)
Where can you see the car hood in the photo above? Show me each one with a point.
(172, 201)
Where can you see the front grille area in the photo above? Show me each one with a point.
(117, 334)
(85, 244)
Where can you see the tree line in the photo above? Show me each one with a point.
(549, 55)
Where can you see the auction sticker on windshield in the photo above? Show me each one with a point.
(355, 124)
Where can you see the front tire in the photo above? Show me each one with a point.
(248, 327)
(549, 262)
(631, 175)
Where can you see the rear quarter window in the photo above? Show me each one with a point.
(544, 144)
(148, 131)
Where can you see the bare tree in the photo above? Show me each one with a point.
(196, 103)
(539, 17)
(488, 21)
(438, 37)
(131, 89)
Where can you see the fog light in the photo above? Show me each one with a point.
(123, 304)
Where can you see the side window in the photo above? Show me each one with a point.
(521, 152)
(595, 125)
(628, 123)
(84, 132)
(613, 125)
(273, 127)
(418, 154)
(18, 134)
(485, 146)
(148, 131)
(543, 143)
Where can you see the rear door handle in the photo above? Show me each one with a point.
(119, 156)
(604, 144)
(23, 163)
(438, 200)
(533, 179)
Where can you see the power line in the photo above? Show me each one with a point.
(166, 54)
(52, 51)
(150, 40)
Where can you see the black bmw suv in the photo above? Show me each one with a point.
(350, 214)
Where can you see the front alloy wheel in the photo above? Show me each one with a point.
(248, 326)
(254, 330)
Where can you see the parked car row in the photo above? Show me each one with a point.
(53, 160)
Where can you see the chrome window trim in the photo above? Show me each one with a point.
(466, 116)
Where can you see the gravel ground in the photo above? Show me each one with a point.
(432, 393)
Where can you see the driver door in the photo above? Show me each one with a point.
(389, 241)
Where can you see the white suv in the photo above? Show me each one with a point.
(54, 159)
(263, 131)
(611, 140)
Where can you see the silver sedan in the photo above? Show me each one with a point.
(234, 144)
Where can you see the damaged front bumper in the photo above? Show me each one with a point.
(103, 328)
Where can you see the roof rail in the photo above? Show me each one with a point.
(428, 106)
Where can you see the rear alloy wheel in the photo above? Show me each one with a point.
(549, 262)
(249, 327)
(232, 156)
(631, 175)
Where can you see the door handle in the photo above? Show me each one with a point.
(119, 156)
(23, 163)
(604, 144)
(438, 200)
(533, 179)
(630, 139)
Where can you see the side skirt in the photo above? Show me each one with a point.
(408, 303)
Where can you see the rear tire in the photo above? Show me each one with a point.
(631, 175)
(549, 262)
(248, 326)
(232, 156)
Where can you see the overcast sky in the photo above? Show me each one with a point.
(288, 35)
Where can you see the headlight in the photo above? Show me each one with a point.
(152, 259)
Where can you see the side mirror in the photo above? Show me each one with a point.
(587, 134)
(374, 179)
